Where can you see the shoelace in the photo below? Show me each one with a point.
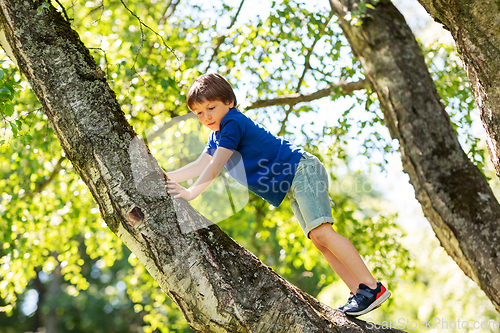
(351, 296)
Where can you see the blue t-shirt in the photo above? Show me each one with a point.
(269, 161)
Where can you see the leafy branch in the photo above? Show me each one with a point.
(141, 24)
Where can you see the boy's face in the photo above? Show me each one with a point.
(210, 113)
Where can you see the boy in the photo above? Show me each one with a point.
(274, 168)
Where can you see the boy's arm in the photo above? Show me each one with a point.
(191, 170)
(211, 171)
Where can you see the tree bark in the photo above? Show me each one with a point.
(454, 195)
(475, 27)
(218, 285)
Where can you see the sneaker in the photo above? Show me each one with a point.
(341, 308)
(366, 299)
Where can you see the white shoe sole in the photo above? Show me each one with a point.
(372, 306)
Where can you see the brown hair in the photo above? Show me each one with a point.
(210, 87)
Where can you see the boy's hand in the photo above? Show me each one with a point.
(173, 187)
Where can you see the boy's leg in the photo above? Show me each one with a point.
(311, 205)
(337, 266)
(370, 293)
(345, 252)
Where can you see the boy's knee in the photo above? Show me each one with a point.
(322, 233)
(313, 234)
(317, 234)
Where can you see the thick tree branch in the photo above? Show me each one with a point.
(475, 27)
(455, 196)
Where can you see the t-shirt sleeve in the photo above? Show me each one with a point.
(211, 145)
(230, 135)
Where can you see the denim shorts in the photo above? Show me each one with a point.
(308, 194)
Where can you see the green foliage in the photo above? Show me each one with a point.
(10, 84)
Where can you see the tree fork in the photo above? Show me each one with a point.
(218, 285)
(454, 195)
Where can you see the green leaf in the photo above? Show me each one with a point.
(1, 74)
(172, 83)
(4, 92)
(9, 110)
(26, 139)
(11, 89)
(40, 9)
(164, 84)
(14, 128)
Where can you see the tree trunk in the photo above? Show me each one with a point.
(218, 285)
(40, 288)
(51, 319)
(455, 196)
(475, 27)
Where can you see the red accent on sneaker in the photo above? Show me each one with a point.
(382, 291)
